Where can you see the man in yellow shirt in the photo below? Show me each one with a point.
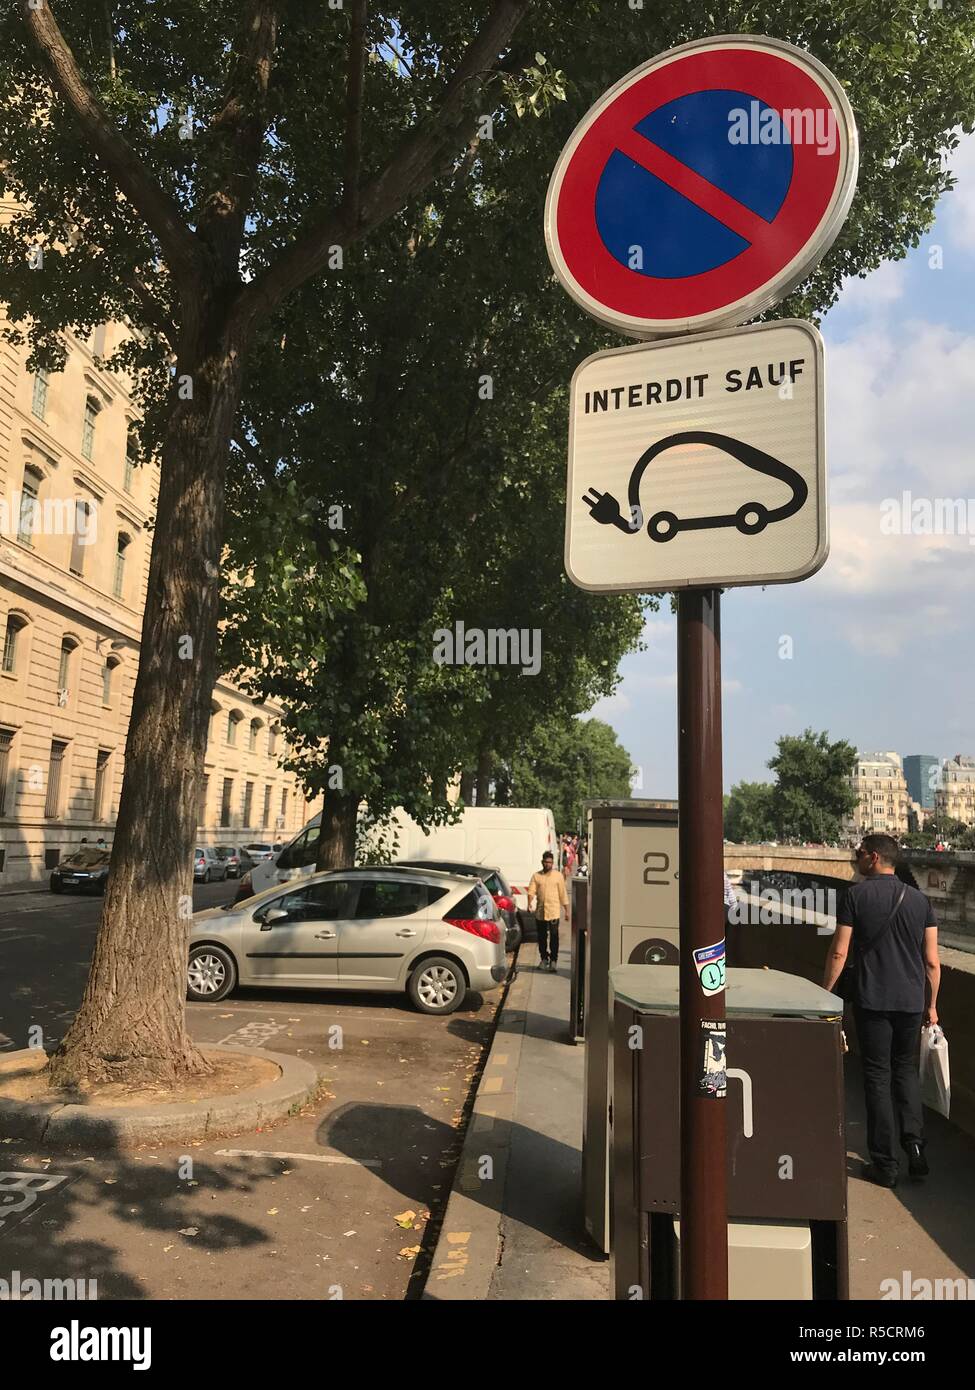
(548, 898)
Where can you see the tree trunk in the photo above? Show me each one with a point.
(467, 788)
(485, 763)
(336, 844)
(131, 1026)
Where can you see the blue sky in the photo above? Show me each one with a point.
(882, 651)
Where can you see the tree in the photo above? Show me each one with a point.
(812, 796)
(175, 171)
(748, 813)
(198, 242)
(565, 763)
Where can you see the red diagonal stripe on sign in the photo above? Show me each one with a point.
(692, 186)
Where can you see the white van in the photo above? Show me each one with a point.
(510, 838)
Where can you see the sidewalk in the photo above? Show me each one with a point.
(513, 1226)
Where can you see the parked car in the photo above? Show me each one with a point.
(86, 870)
(207, 865)
(260, 852)
(431, 935)
(515, 837)
(493, 880)
(236, 858)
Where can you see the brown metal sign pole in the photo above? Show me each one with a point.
(703, 1164)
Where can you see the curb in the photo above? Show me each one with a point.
(469, 1245)
(62, 1126)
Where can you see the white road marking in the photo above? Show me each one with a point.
(309, 1158)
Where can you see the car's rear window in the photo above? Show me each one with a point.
(261, 849)
(475, 904)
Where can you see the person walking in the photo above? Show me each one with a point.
(549, 901)
(893, 985)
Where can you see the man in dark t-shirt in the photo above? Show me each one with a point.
(894, 938)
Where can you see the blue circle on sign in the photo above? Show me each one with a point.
(651, 228)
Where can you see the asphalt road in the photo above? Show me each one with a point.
(303, 1210)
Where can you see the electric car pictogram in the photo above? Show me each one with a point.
(751, 517)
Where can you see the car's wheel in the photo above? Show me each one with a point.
(751, 518)
(208, 876)
(211, 974)
(663, 526)
(437, 986)
(57, 886)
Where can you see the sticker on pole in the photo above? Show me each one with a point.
(702, 187)
(713, 1078)
(698, 462)
(709, 961)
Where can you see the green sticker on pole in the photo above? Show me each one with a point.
(709, 961)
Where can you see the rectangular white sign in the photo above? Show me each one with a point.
(698, 462)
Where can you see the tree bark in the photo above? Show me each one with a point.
(467, 788)
(336, 844)
(132, 1022)
(485, 764)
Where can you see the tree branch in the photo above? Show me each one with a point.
(241, 124)
(160, 212)
(419, 159)
(153, 311)
(353, 119)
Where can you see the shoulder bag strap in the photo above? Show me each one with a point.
(863, 950)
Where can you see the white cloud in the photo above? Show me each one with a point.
(874, 293)
(957, 219)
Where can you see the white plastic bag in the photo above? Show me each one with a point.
(935, 1073)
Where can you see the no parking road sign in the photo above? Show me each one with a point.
(703, 187)
(698, 462)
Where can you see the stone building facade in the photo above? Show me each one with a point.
(954, 797)
(75, 537)
(883, 802)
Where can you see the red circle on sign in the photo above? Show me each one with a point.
(769, 76)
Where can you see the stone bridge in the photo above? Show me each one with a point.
(947, 879)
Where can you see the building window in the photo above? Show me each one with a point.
(267, 806)
(53, 799)
(79, 540)
(64, 670)
(108, 675)
(131, 458)
(6, 738)
(225, 801)
(284, 802)
(38, 405)
(272, 740)
(201, 810)
(255, 726)
(101, 779)
(233, 719)
(118, 579)
(15, 626)
(88, 430)
(27, 519)
(248, 801)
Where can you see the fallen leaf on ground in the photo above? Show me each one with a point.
(409, 1251)
(272, 1211)
(405, 1219)
(190, 1231)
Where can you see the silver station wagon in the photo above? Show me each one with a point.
(431, 935)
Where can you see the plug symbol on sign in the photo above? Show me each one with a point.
(750, 518)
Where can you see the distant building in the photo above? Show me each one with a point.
(955, 798)
(882, 798)
(75, 519)
(921, 771)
